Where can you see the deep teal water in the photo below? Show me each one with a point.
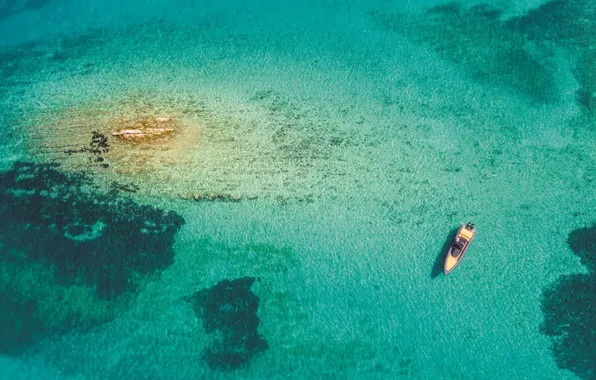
(290, 215)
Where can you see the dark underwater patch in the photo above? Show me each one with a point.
(18, 60)
(65, 241)
(97, 147)
(572, 25)
(585, 73)
(22, 64)
(569, 308)
(7, 8)
(583, 243)
(20, 323)
(230, 308)
(477, 40)
(564, 22)
(10, 8)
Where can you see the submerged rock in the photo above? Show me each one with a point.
(230, 307)
(141, 133)
(144, 127)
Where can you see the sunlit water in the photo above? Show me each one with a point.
(322, 155)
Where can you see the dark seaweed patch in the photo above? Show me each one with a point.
(40, 207)
(565, 22)
(20, 324)
(571, 24)
(230, 307)
(452, 7)
(486, 11)
(59, 223)
(128, 187)
(569, 308)
(20, 64)
(98, 146)
(583, 243)
(585, 72)
(10, 8)
(7, 8)
(515, 52)
(21, 59)
(478, 41)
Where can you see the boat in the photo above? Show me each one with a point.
(462, 241)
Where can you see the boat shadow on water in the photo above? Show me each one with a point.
(440, 259)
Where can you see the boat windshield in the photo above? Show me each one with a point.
(457, 247)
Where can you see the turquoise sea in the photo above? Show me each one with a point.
(243, 189)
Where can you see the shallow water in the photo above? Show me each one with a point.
(293, 223)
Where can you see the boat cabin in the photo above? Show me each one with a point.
(458, 246)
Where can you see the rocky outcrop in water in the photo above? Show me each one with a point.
(144, 128)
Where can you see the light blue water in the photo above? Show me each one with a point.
(334, 147)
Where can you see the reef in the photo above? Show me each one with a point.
(569, 308)
(230, 308)
(72, 254)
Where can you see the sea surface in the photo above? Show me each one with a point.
(243, 189)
